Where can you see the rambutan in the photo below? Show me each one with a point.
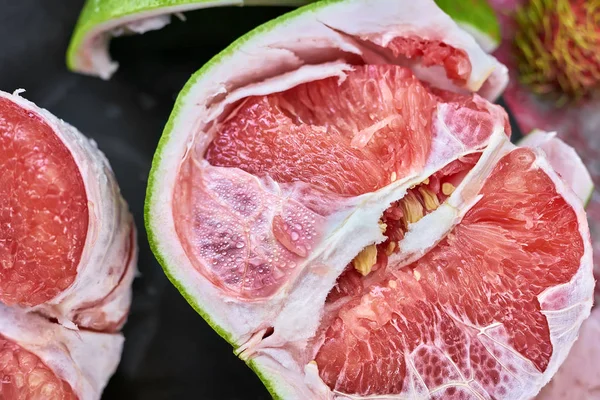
(558, 48)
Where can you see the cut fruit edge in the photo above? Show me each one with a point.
(565, 161)
(477, 18)
(206, 96)
(110, 249)
(101, 20)
(85, 360)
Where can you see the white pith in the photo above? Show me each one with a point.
(93, 58)
(105, 260)
(277, 64)
(85, 360)
(564, 159)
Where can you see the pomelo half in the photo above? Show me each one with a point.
(348, 212)
(43, 360)
(67, 240)
(101, 20)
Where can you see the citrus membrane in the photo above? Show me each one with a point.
(101, 20)
(564, 160)
(63, 222)
(476, 17)
(348, 212)
(43, 360)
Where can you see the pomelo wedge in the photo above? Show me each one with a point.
(101, 20)
(67, 240)
(348, 212)
(43, 360)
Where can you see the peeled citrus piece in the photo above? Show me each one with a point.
(101, 20)
(43, 360)
(63, 222)
(348, 212)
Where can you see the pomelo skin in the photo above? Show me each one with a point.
(289, 334)
(100, 20)
(99, 296)
(43, 360)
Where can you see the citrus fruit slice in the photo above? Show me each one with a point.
(63, 223)
(101, 20)
(348, 212)
(43, 360)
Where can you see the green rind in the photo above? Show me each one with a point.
(476, 13)
(152, 179)
(97, 12)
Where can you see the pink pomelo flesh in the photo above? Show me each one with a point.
(43, 209)
(456, 311)
(26, 377)
(338, 138)
(349, 138)
(462, 321)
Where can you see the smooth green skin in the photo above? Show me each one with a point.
(477, 13)
(96, 12)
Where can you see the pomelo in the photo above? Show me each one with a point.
(67, 240)
(43, 360)
(348, 212)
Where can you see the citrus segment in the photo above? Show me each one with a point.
(349, 137)
(244, 238)
(455, 62)
(63, 222)
(43, 209)
(469, 309)
(25, 376)
(40, 359)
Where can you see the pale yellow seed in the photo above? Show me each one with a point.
(390, 248)
(430, 199)
(393, 176)
(382, 226)
(392, 284)
(365, 260)
(448, 188)
(426, 181)
(417, 275)
(412, 209)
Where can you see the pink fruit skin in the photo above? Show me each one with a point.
(578, 126)
(579, 376)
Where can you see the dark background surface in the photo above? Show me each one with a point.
(170, 352)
